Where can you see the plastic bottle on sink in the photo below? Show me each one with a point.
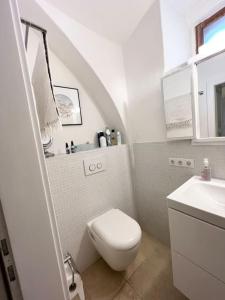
(206, 172)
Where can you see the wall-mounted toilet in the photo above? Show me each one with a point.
(116, 237)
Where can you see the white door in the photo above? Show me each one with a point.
(24, 188)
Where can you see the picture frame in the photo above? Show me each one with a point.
(68, 105)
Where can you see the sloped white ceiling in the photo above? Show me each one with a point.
(114, 19)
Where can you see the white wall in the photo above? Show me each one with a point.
(79, 198)
(143, 55)
(93, 121)
(178, 27)
(179, 19)
(176, 36)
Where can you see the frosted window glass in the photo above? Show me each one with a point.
(214, 29)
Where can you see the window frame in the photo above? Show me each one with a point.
(201, 26)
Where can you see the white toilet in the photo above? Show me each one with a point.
(117, 237)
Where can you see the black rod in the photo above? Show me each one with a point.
(48, 67)
(26, 35)
(30, 24)
(44, 34)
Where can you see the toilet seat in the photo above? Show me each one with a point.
(117, 230)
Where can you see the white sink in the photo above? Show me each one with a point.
(202, 199)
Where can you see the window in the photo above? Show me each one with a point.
(211, 32)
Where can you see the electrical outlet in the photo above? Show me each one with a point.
(181, 162)
(172, 161)
(189, 163)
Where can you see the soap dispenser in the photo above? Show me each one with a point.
(206, 172)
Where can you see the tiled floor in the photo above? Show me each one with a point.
(149, 277)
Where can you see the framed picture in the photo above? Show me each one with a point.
(68, 104)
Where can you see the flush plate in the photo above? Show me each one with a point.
(94, 165)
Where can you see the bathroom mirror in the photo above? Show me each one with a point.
(210, 98)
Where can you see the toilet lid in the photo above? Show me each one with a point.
(117, 229)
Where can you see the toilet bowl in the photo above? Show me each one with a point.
(117, 237)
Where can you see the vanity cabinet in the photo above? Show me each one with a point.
(198, 257)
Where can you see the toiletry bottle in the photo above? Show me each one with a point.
(72, 147)
(108, 137)
(102, 140)
(67, 149)
(118, 138)
(98, 138)
(206, 172)
(113, 137)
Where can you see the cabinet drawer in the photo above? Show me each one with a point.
(194, 282)
(202, 243)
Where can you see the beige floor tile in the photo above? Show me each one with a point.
(78, 298)
(149, 277)
(140, 258)
(147, 274)
(163, 288)
(127, 293)
(150, 246)
(101, 282)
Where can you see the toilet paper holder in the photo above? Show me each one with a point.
(68, 259)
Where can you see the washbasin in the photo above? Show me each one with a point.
(210, 193)
(202, 199)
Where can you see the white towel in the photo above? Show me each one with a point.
(46, 107)
(178, 112)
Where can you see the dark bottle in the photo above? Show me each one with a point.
(72, 148)
(67, 149)
(113, 137)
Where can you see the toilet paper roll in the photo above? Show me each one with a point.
(77, 279)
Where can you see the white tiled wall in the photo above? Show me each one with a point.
(79, 198)
(155, 179)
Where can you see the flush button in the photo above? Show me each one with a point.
(99, 165)
(94, 164)
(92, 167)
